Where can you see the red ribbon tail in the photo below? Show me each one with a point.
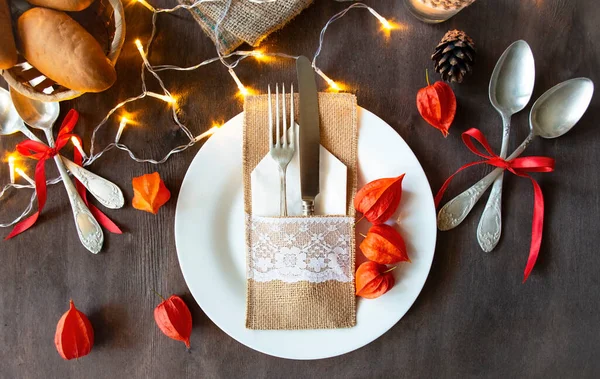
(442, 190)
(104, 220)
(23, 225)
(537, 227)
(41, 190)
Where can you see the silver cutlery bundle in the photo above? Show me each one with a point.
(42, 116)
(552, 115)
(282, 148)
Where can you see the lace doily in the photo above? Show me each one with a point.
(314, 249)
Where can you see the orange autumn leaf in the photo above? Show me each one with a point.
(373, 280)
(149, 192)
(379, 199)
(74, 335)
(384, 245)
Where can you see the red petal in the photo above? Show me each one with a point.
(370, 287)
(174, 319)
(428, 104)
(448, 105)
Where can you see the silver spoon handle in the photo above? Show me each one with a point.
(490, 224)
(29, 134)
(457, 209)
(89, 231)
(105, 191)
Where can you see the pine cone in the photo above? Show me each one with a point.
(454, 56)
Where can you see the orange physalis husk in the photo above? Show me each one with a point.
(149, 192)
(384, 245)
(74, 336)
(437, 105)
(379, 199)
(174, 319)
(373, 280)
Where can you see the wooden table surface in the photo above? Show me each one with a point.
(474, 317)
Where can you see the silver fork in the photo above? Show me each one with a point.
(282, 150)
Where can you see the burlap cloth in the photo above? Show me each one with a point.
(246, 21)
(304, 304)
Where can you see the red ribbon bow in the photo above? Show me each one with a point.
(41, 152)
(519, 167)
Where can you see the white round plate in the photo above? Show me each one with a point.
(209, 234)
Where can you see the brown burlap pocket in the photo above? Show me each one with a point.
(300, 270)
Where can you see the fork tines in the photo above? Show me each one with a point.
(281, 138)
(282, 150)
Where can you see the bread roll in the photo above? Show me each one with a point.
(64, 51)
(8, 51)
(63, 5)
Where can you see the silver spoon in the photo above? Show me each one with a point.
(35, 112)
(511, 87)
(89, 231)
(10, 121)
(551, 116)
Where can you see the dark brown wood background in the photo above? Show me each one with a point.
(474, 318)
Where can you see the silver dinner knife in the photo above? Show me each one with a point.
(310, 135)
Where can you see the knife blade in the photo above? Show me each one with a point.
(310, 135)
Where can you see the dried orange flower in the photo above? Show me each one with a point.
(373, 280)
(383, 244)
(379, 199)
(74, 336)
(174, 319)
(150, 193)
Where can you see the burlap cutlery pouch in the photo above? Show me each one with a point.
(300, 270)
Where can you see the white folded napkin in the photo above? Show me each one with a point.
(265, 186)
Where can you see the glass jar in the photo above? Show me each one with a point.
(434, 11)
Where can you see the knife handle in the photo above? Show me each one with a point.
(308, 207)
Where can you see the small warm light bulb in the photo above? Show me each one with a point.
(258, 54)
(383, 21)
(165, 98)
(76, 143)
(11, 168)
(122, 125)
(207, 133)
(22, 174)
(140, 48)
(144, 3)
(243, 91)
(333, 85)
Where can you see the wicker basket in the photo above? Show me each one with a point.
(27, 80)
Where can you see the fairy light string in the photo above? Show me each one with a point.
(229, 61)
